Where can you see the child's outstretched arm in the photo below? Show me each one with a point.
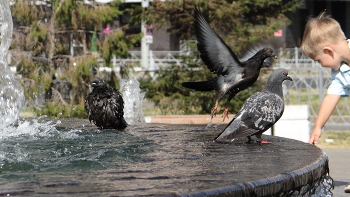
(327, 106)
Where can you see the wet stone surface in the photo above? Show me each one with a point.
(77, 159)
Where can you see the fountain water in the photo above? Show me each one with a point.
(35, 144)
(11, 91)
(70, 157)
(133, 97)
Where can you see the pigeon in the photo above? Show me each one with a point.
(105, 106)
(233, 75)
(259, 112)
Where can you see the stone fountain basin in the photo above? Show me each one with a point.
(183, 160)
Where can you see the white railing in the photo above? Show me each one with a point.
(309, 85)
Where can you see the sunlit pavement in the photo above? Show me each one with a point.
(339, 165)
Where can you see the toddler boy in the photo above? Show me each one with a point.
(325, 42)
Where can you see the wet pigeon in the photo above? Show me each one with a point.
(260, 111)
(105, 106)
(233, 75)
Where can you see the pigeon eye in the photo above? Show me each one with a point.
(283, 73)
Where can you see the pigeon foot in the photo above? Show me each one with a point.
(213, 112)
(261, 141)
(225, 114)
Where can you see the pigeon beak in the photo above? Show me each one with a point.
(288, 78)
(274, 56)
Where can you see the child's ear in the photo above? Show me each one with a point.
(329, 51)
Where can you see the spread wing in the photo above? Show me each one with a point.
(252, 50)
(259, 113)
(215, 53)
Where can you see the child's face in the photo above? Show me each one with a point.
(327, 61)
(332, 55)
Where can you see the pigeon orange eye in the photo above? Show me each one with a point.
(283, 73)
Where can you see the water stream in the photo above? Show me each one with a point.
(11, 91)
(39, 145)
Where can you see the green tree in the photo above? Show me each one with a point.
(171, 98)
(240, 23)
(47, 33)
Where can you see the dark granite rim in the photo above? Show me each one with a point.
(282, 184)
(186, 162)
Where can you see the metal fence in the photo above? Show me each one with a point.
(309, 85)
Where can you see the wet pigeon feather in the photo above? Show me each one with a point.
(105, 106)
(260, 111)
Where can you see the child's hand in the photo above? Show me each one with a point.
(316, 134)
(327, 106)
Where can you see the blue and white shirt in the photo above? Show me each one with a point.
(341, 80)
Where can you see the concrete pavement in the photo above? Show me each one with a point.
(339, 170)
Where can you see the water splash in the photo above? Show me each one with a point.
(133, 97)
(11, 91)
(43, 145)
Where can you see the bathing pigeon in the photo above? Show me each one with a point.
(260, 111)
(233, 75)
(105, 106)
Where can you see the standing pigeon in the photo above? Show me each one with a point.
(105, 106)
(260, 111)
(233, 75)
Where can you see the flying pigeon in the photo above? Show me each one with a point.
(259, 112)
(105, 106)
(233, 75)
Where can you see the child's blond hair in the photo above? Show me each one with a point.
(319, 32)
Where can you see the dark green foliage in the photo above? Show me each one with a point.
(240, 23)
(36, 78)
(47, 35)
(77, 15)
(57, 110)
(170, 97)
(118, 44)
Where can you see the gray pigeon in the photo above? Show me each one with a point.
(105, 106)
(259, 112)
(233, 75)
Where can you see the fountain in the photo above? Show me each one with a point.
(11, 91)
(71, 157)
(131, 93)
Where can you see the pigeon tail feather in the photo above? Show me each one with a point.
(208, 85)
(120, 124)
